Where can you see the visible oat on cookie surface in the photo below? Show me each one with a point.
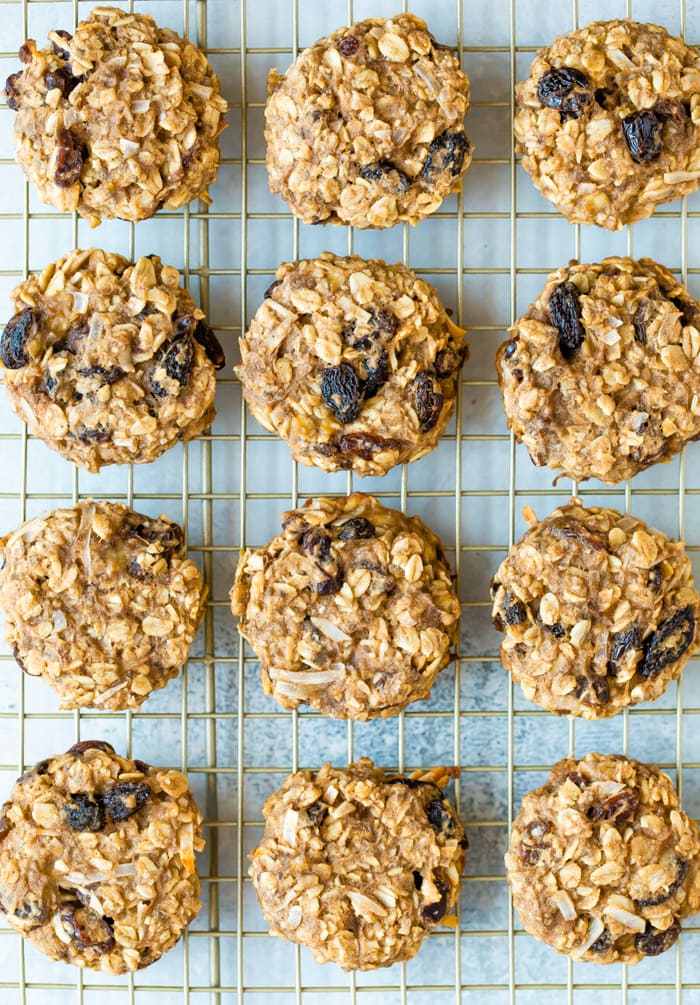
(358, 864)
(366, 127)
(118, 120)
(100, 601)
(597, 609)
(608, 121)
(600, 378)
(355, 363)
(603, 864)
(97, 863)
(107, 361)
(351, 609)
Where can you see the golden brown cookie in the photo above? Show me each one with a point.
(357, 864)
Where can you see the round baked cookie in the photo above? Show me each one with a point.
(603, 863)
(351, 609)
(600, 377)
(358, 864)
(607, 121)
(100, 601)
(118, 120)
(598, 611)
(109, 362)
(355, 363)
(97, 862)
(367, 126)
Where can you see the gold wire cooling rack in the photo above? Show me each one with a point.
(487, 251)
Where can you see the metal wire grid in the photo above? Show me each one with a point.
(209, 724)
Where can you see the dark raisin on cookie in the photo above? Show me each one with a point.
(446, 155)
(566, 89)
(69, 159)
(14, 338)
(84, 813)
(668, 643)
(428, 399)
(341, 392)
(125, 799)
(387, 175)
(643, 135)
(565, 311)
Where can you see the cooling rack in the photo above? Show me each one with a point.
(487, 251)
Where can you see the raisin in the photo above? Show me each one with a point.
(532, 842)
(574, 531)
(603, 942)
(382, 326)
(66, 36)
(31, 911)
(202, 333)
(388, 176)
(316, 542)
(87, 928)
(654, 578)
(448, 361)
(69, 161)
(565, 311)
(176, 357)
(577, 778)
(557, 630)
(446, 154)
(510, 348)
(515, 612)
(652, 942)
(429, 399)
(341, 392)
(643, 135)
(169, 537)
(14, 339)
(25, 53)
(366, 445)
(316, 812)
(600, 688)
(11, 91)
(688, 308)
(329, 587)
(668, 643)
(640, 321)
(606, 97)
(348, 45)
(434, 913)
(417, 879)
(566, 89)
(97, 435)
(84, 814)
(63, 79)
(440, 818)
(78, 749)
(107, 374)
(359, 527)
(659, 898)
(619, 808)
(142, 766)
(273, 286)
(125, 799)
(377, 374)
(671, 111)
(621, 643)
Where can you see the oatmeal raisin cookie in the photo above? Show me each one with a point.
(600, 378)
(598, 611)
(608, 121)
(366, 127)
(118, 120)
(100, 601)
(355, 363)
(97, 863)
(107, 361)
(358, 864)
(351, 609)
(603, 863)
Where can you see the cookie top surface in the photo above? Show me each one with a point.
(598, 611)
(107, 361)
(358, 865)
(607, 121)
(603, 864)
(355, 363)
(599, 378)
(118, 120)
(100, 601)
(366, 127)
(97, 866)
(351, 609)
